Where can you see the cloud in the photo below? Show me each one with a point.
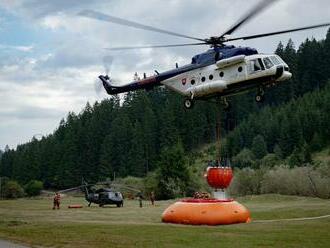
(37, 9)
(29, 112)
(18, 48)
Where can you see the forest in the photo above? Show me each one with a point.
(129, 136)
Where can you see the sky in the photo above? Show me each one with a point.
(50, 56)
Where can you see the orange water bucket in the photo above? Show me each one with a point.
(219, 177)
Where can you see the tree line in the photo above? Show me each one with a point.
(126, 137)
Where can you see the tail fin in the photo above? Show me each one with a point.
(106, 84)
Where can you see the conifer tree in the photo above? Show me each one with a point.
(259, 148)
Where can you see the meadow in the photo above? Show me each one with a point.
(33, 222)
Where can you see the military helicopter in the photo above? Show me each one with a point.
(102, 196)
(221, 71)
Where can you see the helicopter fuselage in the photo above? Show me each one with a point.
(230, 76)
(220, 72)
(104, 197)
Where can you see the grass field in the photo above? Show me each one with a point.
(33, 222)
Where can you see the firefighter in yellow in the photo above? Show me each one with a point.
(57, 200)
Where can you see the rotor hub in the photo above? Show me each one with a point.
(215, 41)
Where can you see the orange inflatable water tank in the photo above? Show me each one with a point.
(206, 212)
(219, 177)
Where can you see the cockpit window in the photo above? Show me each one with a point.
(268, 63)
(275, 60)
(256, 66)
(280, 59)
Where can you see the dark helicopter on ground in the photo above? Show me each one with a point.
(221, 71)
(102, 196)
(107, 195)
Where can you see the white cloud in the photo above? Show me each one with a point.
(18, 48)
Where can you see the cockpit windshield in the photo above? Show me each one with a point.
(268, 63)
(275, 60)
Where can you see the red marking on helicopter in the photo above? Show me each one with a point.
(148, 80)
(184, 81)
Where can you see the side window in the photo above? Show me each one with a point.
(255, 66)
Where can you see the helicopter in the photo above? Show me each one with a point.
(222, 71)
(102, 196)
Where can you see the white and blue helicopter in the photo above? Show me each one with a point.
(221, 71)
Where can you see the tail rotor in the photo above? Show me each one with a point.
(107, 63)
(104, 81)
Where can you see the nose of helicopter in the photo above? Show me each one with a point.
(283, 73)
(286, 75)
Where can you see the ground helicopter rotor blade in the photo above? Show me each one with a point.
(156, 46)
(278, 32)
(75, 188)
(70, 189)
(107, 18)
(253, 12)
(125, 187)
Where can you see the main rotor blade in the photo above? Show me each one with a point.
(257, 9)
(278, 32)
(125, 187)
(107, 18)
(70, 189)
(157, 46)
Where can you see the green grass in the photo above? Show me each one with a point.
(33, 222)
(322, 156)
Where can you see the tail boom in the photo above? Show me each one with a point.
(146, 83)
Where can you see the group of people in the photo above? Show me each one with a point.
(151, 197)
(202, 195)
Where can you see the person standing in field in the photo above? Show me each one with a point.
(140, 198)
(57, 201)
(152, 198)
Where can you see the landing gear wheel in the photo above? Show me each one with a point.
(188, 103)
(259, 98)
(260, 95)
(226, 104)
